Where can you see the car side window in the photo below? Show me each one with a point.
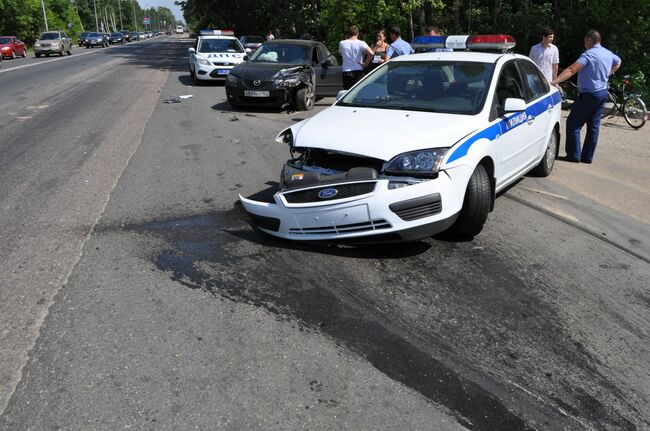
(314, 56)
(509, 84)
(535, 84)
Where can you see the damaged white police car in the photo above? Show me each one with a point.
(214, 54)
(457, 128)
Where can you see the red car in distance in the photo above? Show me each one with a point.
(11, 46)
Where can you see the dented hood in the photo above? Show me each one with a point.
(381, 133)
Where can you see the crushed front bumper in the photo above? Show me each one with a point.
(368, 211)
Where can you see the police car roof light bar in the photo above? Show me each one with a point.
(492, 42)
(210, 32)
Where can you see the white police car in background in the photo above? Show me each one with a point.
(215, 53)
(458, 127)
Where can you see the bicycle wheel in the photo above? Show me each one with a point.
(610, 107)
(569, 94)
(635, 112)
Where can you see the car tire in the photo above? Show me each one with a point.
(61, 53)
(548, 161)
(476, 205)
(305, 98)
(37, 55)
(47, 55)
(192, 74)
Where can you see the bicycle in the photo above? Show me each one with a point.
(633, 109)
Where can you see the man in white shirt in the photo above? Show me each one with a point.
(545, 55)
(352, 50)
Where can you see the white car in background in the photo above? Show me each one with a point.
(216, 52)
(457, 128)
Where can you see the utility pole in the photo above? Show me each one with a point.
(96, 22)
(44, 15)
(119, 5)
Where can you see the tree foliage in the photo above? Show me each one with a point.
(24, 18)
(625, 26)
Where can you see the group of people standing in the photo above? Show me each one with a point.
(359, 58)
(594, 67)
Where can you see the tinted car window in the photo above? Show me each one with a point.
(509, 85)
(448, 87)
(535, 84)
(4, 40)
(49, 36)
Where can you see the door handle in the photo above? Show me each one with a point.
(550, 108)
(530, 119)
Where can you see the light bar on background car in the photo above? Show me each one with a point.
(216, 33)
(490, 42)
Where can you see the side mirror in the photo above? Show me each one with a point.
(191, 50)
(327, 63)
(341, 94)
(248, 50)
(514, 105)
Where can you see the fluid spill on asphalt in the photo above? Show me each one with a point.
(321, 303)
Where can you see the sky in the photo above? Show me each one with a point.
(176, 10)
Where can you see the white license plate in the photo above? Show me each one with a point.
(223, 72)
(251, 93)
(324, 218)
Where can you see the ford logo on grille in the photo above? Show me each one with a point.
(257, 82)
(327, 193)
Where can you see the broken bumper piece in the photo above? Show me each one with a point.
(357, 212)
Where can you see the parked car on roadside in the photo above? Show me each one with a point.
(52, 42)
(11, 46)
(214, 55)
(134, 36)
(81, 41)
(127, 35)
(285, 72)
(251, 43)
(96, 39)
(116, 38)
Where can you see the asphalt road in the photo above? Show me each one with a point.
(135, 294)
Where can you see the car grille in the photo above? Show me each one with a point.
(344, 191)
(263, 84)
(342, 229)
(216, 63)
(418, 208)
(46, 45)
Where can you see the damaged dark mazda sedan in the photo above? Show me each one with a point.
(285, 73)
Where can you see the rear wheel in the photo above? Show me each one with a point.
(305, 98)
(635, 112)
(610, 106)
(37, 55)
(69, 51)
(476, 206)
(548, 161)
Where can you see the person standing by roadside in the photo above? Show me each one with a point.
(432, 30)
(352, 51)
(546, 55)
(398, 45)
(594, 67)
(270, 36)
(379, 49)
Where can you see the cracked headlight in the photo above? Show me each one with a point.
(417, 163)
(288, 82)
(203, 61)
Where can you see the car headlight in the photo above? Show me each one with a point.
(417, 163)
(203, 61)
(55, 44)
(288, 82)
(232, 78)
(37, 45)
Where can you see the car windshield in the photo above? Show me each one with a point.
(94, 35)
(4, 40)
(49, 36)
(445, 87)
(282, 53)
(116, 34)
(219, 45)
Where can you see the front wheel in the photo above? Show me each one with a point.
(548, 161)
(610, 106)
(305, 98)
(635, 112)
(476, 206)
(37, 55)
